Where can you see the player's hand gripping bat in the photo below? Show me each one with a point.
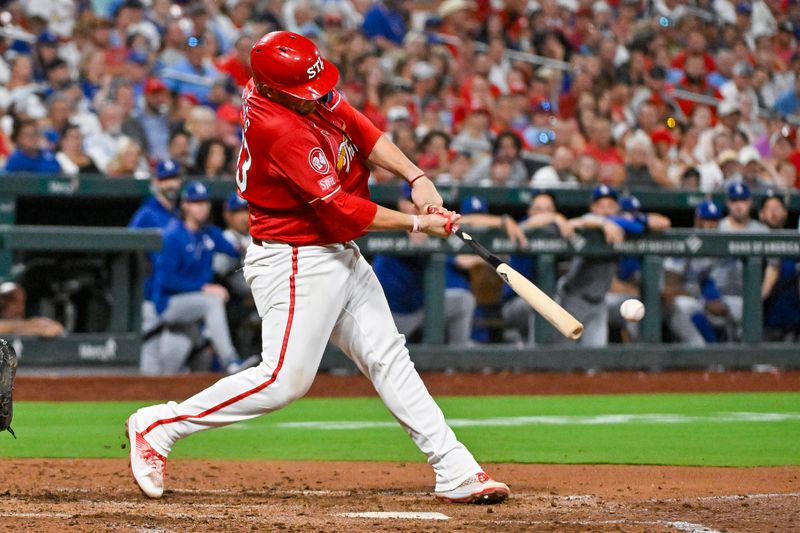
(542, 303)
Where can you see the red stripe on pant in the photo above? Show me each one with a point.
(260, 387)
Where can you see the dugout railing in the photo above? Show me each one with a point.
(124, 250)
(97, 201)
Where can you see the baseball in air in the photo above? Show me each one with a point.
(632, 310)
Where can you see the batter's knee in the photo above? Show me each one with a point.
(289, 385)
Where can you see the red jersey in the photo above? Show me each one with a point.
(304, 176)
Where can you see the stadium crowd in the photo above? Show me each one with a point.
(609, 95)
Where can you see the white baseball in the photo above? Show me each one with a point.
(632, 310)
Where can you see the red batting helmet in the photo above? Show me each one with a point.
(291, 63)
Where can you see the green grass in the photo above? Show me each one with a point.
(71, 429)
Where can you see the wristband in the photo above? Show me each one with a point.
(415, 224)
(411, 181)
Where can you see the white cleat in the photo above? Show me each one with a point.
(479, 489)
(147, 465)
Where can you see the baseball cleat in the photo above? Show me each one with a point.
(478, 489)
(147, 465)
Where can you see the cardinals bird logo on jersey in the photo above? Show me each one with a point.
(318, 161)
(345, 152)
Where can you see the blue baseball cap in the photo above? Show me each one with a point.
(630, 204)
(708, 210)
(473, 204)
(738, 191)
(47, 37)
(744, 8)
(168, 169)
(140, 58)
(234, 202)
(195, 191)
(603, 191)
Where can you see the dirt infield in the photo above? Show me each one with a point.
(231, 496)
(98, 495)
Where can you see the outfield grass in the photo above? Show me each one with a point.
(675, 429)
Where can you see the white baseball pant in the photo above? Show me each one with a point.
(305, 296)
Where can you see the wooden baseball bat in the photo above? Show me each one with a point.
(541, 302)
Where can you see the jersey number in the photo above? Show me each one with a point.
(245, 161)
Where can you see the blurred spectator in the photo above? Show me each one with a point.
(243, 318)
(507, 152)
(156, 213)
(201, 125)
(540, 131)
(29, 156)
(788, 103)
(105, 144)
(237, 232)
(558, 174)
(183, 290)
(690, 179)
(587, 170)
(740, 84)
(179, 147)
(195, 72)
(58, 116)
(727, 273)
(474, 136)
(153, 119)
(128, 161)
(543, 217)
(602, 149)
(458, 168)
(45, 52)
(627, 280)
(739, 204)
(695, 70)
(12, 315)
(213, 160)
(385, 22)
(70, 156)
(690, 296)
(780, 284)
(582, 290)
(753, 173)
(125, 96)
(786, 176)
(642, 168)
(236, 63)
(434, 154)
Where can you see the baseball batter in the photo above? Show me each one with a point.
(303, 170)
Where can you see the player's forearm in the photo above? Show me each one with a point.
(771, 275)
(388, 219)
(387, 155)
(539, 221)
(482, 220)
